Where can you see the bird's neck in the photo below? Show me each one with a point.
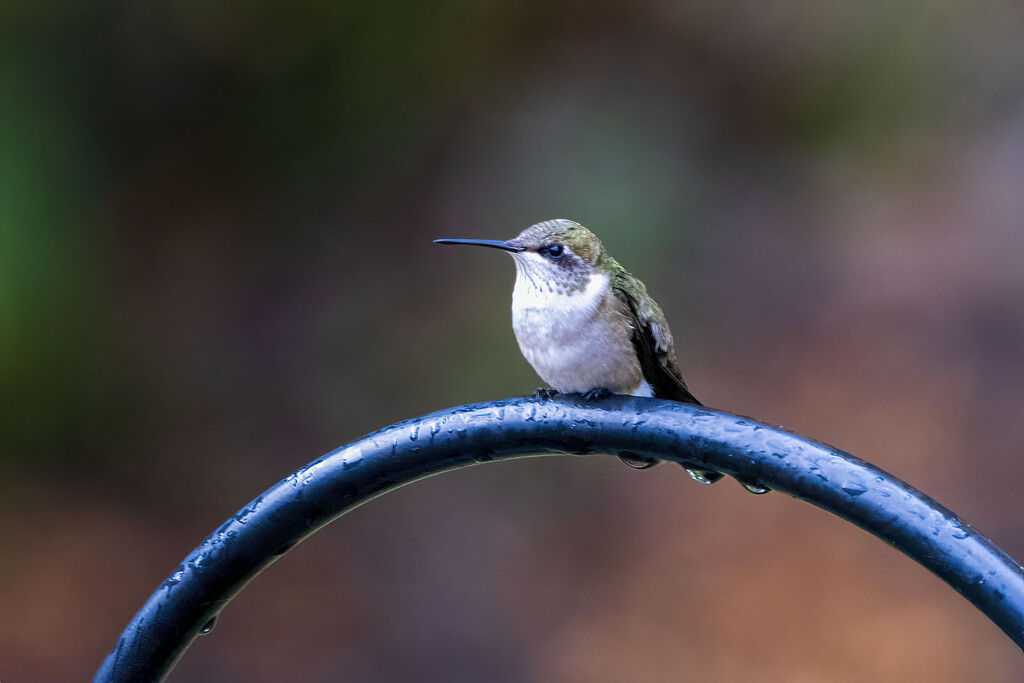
(560, 301)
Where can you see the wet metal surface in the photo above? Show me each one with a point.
(762, 457)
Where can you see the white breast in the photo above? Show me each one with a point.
(565, 340)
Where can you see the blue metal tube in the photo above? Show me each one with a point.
(697, 437)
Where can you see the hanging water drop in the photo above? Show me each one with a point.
(637, 461)
(208, 626)
(707, 477)
(756, 489)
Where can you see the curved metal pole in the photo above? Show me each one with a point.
(633, 427)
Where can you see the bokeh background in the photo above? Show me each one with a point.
(215, 265)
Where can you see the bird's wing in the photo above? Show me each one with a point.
(653, 343)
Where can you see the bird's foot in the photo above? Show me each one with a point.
(600, 392)
(544, 393)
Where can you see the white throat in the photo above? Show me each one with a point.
(538, 304)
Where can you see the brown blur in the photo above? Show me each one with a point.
(215, 265)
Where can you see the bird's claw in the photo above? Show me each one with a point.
(544, 393)
(592, 394)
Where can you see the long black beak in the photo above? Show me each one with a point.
(496, 244)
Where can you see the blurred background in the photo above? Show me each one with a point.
(215, 265)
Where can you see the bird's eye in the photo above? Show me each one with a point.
(552, 250)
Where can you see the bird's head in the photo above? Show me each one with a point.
(557, 256)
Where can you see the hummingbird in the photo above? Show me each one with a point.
(585, 323)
